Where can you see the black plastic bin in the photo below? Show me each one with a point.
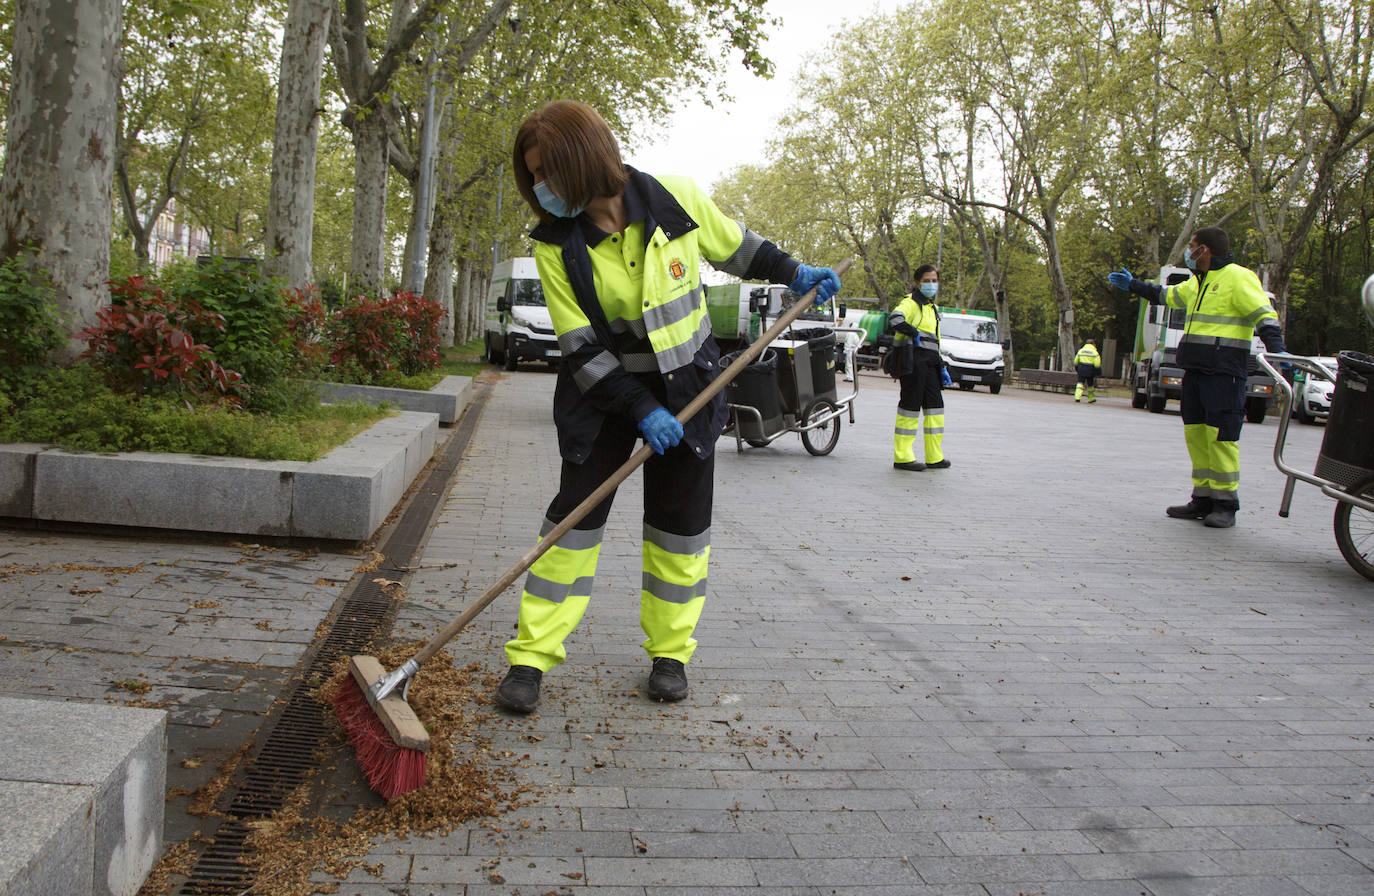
(820, 353)
(1347, 454)
(755, 386)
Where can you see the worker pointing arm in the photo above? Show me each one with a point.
(1225, 304)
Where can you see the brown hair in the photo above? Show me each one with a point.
(579, 153)
(925, 269)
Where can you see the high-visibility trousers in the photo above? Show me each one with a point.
(920, 412)
(1213, 410)
(676, 552)
(1087, 386)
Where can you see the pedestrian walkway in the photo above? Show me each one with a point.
(1011, 676)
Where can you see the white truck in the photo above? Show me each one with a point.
(741, 311)
(516, 323)
(1155, 374)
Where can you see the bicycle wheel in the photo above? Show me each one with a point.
(822, 439)
(1355, 530)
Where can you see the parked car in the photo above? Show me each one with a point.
(1312, 394)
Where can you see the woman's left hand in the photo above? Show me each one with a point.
(824, 280)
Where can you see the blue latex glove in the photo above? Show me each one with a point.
(661, 430)
(1121, 279)
(945, 378)
(826, 282)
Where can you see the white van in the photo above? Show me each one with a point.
(517, 325)
(971, 349)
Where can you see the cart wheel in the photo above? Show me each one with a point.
(821, 440)
(1355, 530)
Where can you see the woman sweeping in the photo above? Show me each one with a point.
(618, 253)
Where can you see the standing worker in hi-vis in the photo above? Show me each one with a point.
(1088, 365)
(915, 362)
(1225, 304)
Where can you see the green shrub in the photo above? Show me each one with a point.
(30, 325)
(254, 340)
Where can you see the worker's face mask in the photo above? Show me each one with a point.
(929, 290)
(552, 204)
(1188, 261)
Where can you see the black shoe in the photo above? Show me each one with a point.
(909, 465)
(1221, 518)
(519, 690)
(939, 465)
(1196, 509)
(668, 681)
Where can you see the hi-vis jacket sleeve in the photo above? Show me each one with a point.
(727, 244)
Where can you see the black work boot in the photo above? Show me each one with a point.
(1221, 518)
(668, 681)
(519, 690)
(1195, 509)
(908, 465)
(942, 464)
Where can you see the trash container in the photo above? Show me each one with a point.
(1347, 454)
(822, 347)
(757, 387)
(814, 350)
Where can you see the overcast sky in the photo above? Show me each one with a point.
(705, 143)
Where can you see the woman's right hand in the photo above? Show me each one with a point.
(661, 430)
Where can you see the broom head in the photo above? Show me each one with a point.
(390, 741)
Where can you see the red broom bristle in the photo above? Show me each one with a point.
(391, 769)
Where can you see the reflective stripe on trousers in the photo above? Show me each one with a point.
(559, 585)
(911, 424)
(678, 493)
(1213, 409)
(1216, 465)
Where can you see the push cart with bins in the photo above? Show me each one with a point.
(1345, 465)
(791, 388)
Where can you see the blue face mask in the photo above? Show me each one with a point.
(1188, 261)
(929, 290)
(552, 204)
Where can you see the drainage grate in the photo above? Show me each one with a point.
(289, 751)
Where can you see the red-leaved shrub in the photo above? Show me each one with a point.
(142, 342)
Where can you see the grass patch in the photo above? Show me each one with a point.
(72, 408)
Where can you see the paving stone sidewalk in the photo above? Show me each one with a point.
(1011, 676)
(210, 630)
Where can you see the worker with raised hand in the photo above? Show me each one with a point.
(1225, 304)
(1087, 364)
(917, 366)
(618, 253)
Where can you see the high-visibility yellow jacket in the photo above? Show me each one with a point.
(1225, 306)
(630, 312)
(920, 315)
(1087, 357)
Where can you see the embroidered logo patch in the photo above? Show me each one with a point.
(676, 269)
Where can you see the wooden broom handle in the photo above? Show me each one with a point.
(615, 479)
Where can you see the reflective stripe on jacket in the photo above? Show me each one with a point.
(630, 312)
(921, 315)
(1087, 355)
(1224, 306)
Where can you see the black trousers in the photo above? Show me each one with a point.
(921, 387)
(678, 485)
